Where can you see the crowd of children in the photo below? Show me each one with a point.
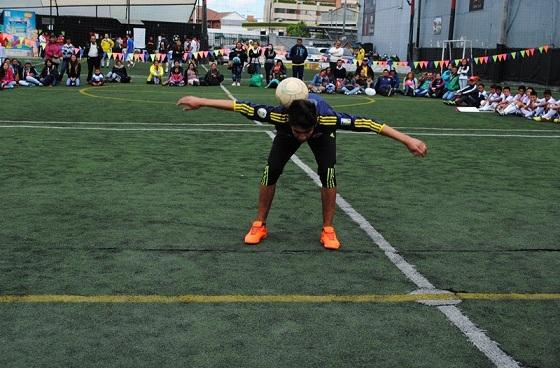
(455, 86)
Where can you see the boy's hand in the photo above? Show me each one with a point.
(417, 147)
(190, 103)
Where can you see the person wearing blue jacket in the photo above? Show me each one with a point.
(298, 55)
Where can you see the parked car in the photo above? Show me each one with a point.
(315, 54)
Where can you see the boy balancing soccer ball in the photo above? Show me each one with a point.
(309, 120)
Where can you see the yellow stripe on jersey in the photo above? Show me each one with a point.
(327, 120)
(278, 118)
(369, 124)
(243, 108)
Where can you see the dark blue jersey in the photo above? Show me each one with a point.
(327, 118)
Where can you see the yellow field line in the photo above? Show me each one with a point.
(363, 298)
(86, 92)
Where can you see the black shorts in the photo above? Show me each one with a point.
(323, 146)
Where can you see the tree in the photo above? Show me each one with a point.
(298, 30)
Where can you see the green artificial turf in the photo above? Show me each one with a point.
(116, 191)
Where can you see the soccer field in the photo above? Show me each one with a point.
(121, 240)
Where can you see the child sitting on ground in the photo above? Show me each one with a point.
(97, 79)
(213, 77)
(156, 73)
(277, 74)
(351, 86)
(191, 75)
(73, 70)
(49, 74)
(30, 76)
(494, 98)
(118, 74)
(176, 78)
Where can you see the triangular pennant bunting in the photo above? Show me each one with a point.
(523, 52)
(513, 55)
(495, 57)
(545, 48)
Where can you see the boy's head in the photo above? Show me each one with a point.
(385, 72)
(473, 80)
(547, 93)
(302, 117)
(529, 91)
(28, 65)
(176, 63)
(533, 96)
(521, 90)
(156, 63)
(339, 62)
(481, 87)
(498, 89)
(507, 91)
(97, 71)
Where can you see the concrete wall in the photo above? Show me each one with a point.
(390, 35)
(530, 23)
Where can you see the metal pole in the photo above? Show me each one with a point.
(204, 35)
(452, 19)
(128, 15)
(418, 24)
(50, 17)
(504, 26)
(411, 32)
(344, 20)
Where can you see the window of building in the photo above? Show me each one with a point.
(476, 5)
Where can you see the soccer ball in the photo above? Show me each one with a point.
(370, 92)
(291, 89)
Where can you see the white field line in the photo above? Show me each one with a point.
(114, 123)
(252, 130)
(223, 124)
(486, 345)
(134, 129)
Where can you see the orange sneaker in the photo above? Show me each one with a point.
(257, 233)
(328, 238)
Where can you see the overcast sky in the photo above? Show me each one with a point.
(243, 7)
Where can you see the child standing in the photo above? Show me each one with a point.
(464, 73)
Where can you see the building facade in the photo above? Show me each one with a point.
(515, 23)
(306, 11)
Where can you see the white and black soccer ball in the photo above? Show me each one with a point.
(291, 89)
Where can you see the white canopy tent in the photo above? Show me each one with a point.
(178, 11)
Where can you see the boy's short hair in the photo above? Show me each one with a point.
(523, 88)
(481, 84)
(506, 87)
(302, 114)
(547, 92)
(498, 88)
(533, 93)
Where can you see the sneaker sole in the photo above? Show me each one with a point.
(258, 242)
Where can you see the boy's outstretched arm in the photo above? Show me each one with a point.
(194, 103)
(415, 146)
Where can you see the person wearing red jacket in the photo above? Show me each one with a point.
(53, 51)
